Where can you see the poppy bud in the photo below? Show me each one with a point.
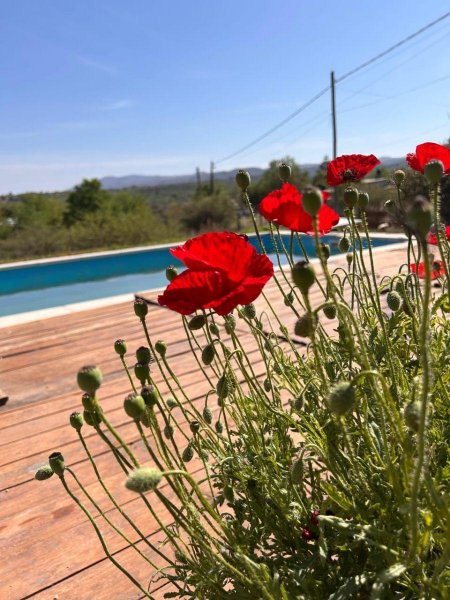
(161, 348)
(194, 426)
(350, 197)
(363, 200)
(76, 420)
(143, 355)
(341, 398)
(140, 308)
(88, 402)
(134, 406)
(297, 471)
(150, 396)
(56, 462)
(223, 387)
(197, 322)
(243, 179)
(207, 415)
(92, 418)
(218, 427)
(284, 172)
(208, 354)
(188, 453)
(399, 177)
(267, 385)
(344, 244)
(312, 201)
(419, 217)
(145, 419)
(89, 379)
(326, 251)
(289, 299)
(400, 286)
(306, 325)
(171, 272)
(142, 372)
(43, 473)
(411, 414)
(349, 258)
(228, 493)
(168, 432)
(329, 310)
(214, 329)
(434, 171)
(120, 346)
(143, 479)
(230, 324)
(171, 403)
(249, 311)
(394, 300)
(303, 275)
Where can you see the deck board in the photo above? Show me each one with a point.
(48, 549)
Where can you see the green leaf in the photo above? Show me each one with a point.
(336, 496)
(385, 577)
(350, 587)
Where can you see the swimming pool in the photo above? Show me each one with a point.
(35, 285)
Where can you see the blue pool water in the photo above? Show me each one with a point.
(44, 285)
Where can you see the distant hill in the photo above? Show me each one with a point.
(127, 181)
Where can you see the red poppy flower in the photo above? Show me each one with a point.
(284, 207)
(350, 167)
(437, 269)
(432, 239)
(426, 152)
(223, 270)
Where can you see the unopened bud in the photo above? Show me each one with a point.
(284, 172)
(188, 453)
(399, 177)
(140, 308)
(208, 354)
(143, 355)
(120, 346)
(329, 310)
(326, 251)
(312, 201)
(434, 171)
(89, 379)
(56, 462)
(194, 426)
(88, 402)
(243, 179)
(341, 399)
(143, 479)
(148, 392)
(306, 325)
(350, 197)
(207, 415)
(91, 418)
(363, 200)
(394, 300)
(44, 473)
(230, 324)
(297, 472)
(197, 322)
(411, 414)
(249, 311)
(303, 275)
(419, 217)
(134, 406)
(161, 348)
(76, 420)
(142, 372)
(171, 272)
(344, 244)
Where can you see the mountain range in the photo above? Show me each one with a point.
(126, 181)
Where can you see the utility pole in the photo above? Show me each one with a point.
(199, 180)
(333, 114)
(211, 178)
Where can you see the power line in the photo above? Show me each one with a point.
(392, 48)
(277, 126)
(325, 90)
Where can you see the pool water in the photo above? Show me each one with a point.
(50, 283)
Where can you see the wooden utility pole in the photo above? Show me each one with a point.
(211, 178)
(333, 114)
(199, 180)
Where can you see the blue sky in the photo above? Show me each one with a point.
(112, 88)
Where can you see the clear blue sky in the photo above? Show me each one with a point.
(108, 87)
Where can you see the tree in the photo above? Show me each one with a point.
(320, 176)
(87, 197)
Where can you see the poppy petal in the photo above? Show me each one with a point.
(193, 290)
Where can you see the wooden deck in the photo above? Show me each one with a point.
(48, 550)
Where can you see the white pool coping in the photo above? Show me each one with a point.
(66, 309)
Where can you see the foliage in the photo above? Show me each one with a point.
(270, 179)
(325, 475)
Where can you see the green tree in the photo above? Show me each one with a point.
(208, 212)
(87, 197)
(320, 176)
